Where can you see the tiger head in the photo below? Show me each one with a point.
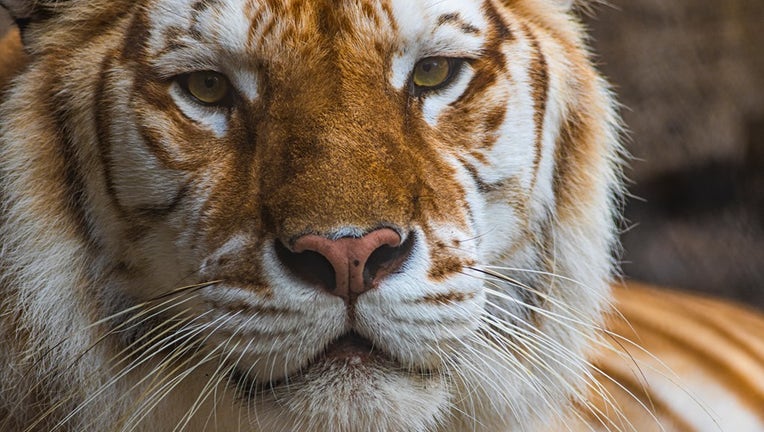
(289, 215)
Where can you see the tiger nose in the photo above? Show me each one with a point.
(347, 267)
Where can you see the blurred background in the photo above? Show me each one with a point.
(690, 76)
(4, 21)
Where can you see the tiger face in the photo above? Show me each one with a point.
(311, 215)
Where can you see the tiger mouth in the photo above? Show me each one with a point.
(352, 346)
(350, 349)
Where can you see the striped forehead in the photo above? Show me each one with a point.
(198, 34)
(204, 24)
(440, 25)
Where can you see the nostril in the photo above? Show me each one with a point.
(387, 260)
(349, 266)
(311, 267)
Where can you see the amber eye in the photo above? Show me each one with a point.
(211, 88)
(433, 72)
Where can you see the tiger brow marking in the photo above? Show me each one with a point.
(498, 34)
(203, 5)
(455, 19)
(200, 7)
(173, 36)
(257, 24)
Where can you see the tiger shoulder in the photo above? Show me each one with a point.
(674, 361)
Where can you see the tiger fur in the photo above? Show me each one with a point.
(153, 273)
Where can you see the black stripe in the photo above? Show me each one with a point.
(499, 26)
(160, 211)
(73, 182)
(481, 185)
(539, 75)
(455, 19)
(493, 59)
(100, 114)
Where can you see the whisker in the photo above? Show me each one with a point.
(164, 384)
(571, 362)
(566, 321)
(144, 308)
(168, 335)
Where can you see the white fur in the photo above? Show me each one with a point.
(438, 102)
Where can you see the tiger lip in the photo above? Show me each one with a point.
(351, 346)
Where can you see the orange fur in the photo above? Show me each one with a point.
(660, 343)
(12, 57)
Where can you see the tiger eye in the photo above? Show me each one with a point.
(432, 72)
(208, 87)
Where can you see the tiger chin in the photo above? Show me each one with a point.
(282, 215)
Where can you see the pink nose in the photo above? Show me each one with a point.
(358, 264)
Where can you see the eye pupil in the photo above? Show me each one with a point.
(432, 72)
(208, 87)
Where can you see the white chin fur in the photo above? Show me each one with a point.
(350, 396)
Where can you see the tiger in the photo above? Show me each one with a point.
(333, 215)
(678, 362)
